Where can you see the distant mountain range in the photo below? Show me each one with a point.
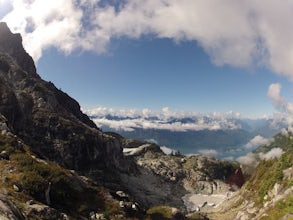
(218, 135)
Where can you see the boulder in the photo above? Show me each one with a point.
(4, 155)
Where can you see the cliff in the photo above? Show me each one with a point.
(46, 118)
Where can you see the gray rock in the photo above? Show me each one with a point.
(4, 155)
(30, 202)
(16, 188)
(8, 211)
(122, 195)
(36, 211)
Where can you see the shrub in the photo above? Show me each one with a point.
(160, 213)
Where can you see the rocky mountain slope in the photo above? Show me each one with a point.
(46, 118)
(268, 193)
(32, 188)
(173, 180)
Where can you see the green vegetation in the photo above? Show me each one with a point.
(268, 173)
(282, 207)
(68, 193)
(167, 213)
(160, 213)
(280, 141)
(196, 216)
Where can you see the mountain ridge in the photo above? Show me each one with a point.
(36, 109)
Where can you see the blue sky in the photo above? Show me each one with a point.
(197, 56)
(155, 74)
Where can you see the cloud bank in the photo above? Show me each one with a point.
(257, 141)
(250, 161)
(209, 152)
(131, 119)
(237, 33)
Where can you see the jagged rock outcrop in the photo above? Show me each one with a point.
(12, 45)
(46, 118)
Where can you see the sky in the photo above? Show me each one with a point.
(188, 55)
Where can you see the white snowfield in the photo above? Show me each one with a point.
(135, 151)
(197, 202)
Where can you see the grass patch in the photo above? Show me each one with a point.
(160, 213)
(268, 173)
(282, 207)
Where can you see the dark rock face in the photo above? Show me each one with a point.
(12, 44)
(46, 118)
(236, 178)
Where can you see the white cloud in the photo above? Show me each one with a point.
(209, 152)
(248, 160)
(273, 153)
(257, 141)
(284, 107)
(46, 23)
(152, 141)
(168, 151)
(280, 103)
(237, 33)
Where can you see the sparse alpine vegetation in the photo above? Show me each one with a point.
(268, 192)
(40, 189)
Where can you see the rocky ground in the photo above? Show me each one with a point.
(199, 183)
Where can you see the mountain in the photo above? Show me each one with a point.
(57, 164)
(46, 118)
(268, 193)
(47, 144)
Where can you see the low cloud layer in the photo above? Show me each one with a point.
(237, 33)
(131, 119)
(257, 141)
(209, 152)
(250, 161)
(273, 153)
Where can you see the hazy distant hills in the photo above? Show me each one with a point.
(224, 134)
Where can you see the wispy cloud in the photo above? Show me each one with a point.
(279, 102)
(237, 33)
(257, 141)
(250, 161)
(209, 152)
(283, 107)
(273, 153)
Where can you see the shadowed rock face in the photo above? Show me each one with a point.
(46, 118)
(12, 45)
